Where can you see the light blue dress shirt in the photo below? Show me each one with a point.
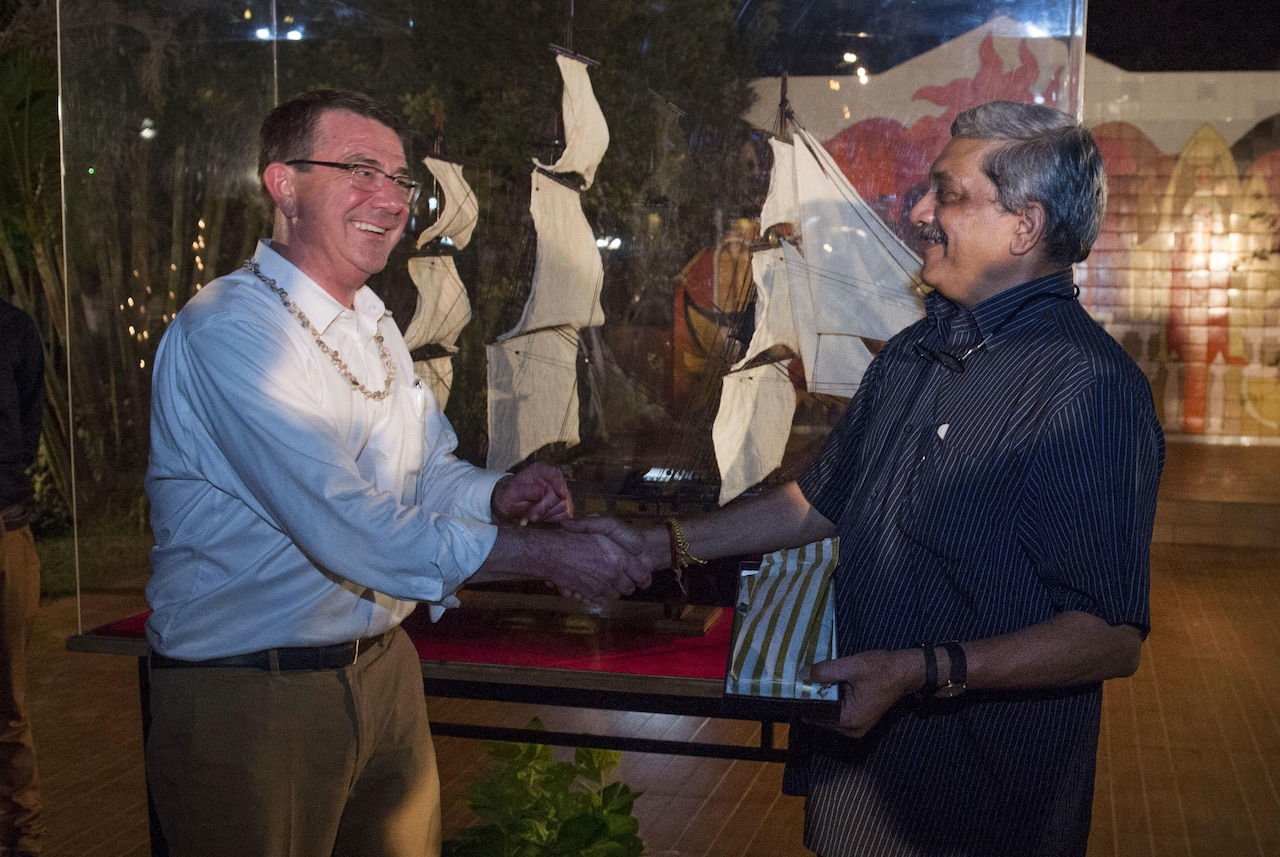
(289, 509)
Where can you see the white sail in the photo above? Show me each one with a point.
(753, 421)
(774, 306)
(752, 426)
(533, 394)
(442, 309)
(533, 389)
(459, 209)
(437, 374)
(780, 204)
(834, 359)
(585, 129)
(855, 279)
(568, 274)
(863, 280)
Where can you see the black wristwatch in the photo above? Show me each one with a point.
(956, 684)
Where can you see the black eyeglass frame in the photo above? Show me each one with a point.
(952, 363)
(413, 189)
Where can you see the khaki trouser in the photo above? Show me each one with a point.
(305, 763)
(21, 827)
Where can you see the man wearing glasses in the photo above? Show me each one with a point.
(993, 486)
(304, 499)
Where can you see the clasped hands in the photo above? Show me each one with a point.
(597, 559)
(591, 560)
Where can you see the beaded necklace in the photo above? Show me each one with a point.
(343, 370)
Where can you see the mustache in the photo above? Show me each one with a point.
(932, 233)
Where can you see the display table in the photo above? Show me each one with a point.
(468, 655)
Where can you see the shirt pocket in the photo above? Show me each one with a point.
(961, 492)
(396, 441)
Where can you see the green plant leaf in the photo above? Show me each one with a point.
(621, 826)
(614, 849)
(594, 764)
(618, 797)
(536, 806)
(577, 835)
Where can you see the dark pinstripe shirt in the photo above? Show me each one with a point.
(971, 504)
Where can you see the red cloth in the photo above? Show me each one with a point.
(475, 638)
(129, 626)
(471, 638)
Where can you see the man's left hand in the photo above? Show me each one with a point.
(537, 494)
(872, 682)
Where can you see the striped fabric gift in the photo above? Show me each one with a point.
(785, 621)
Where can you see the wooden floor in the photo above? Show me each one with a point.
(1188, 761)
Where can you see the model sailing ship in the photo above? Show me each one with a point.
(533, 375)
(828, 276)
(442, 310)
(532, 368)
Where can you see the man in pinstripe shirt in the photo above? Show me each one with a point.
(993, 486)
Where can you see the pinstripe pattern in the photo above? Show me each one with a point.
(1037, 497)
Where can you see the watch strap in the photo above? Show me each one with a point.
(930, 670)
(959, 665)
(959, 671)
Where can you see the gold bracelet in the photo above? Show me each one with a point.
(680, 555)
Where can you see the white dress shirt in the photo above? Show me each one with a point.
(288, 508)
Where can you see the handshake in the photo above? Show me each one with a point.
(592, 560)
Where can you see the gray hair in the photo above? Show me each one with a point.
(1049, 159)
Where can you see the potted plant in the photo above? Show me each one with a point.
(535, 806)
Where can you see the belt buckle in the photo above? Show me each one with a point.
(355, 652)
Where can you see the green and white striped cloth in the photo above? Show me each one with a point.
(784, 622)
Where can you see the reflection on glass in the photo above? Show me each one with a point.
(160, 108)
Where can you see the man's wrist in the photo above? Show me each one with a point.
(657, 548)
(499, 488)
(943, 671)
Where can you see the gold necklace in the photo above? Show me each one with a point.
(387, 359)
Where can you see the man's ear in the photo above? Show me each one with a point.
(278, 180)
(1031, 225)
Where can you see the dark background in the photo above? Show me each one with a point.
(1185, 35)
(1136, 35)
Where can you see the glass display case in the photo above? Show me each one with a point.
(662, 377)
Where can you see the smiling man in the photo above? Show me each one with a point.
(305, 498)
(993, 486)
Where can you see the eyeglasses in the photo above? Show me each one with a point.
(953, 363)
(368, 178)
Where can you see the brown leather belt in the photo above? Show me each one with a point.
(332, 657)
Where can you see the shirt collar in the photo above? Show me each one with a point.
(996, 310)
(320, 307)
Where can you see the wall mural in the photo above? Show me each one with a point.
(1187, 276)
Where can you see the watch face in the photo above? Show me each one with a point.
(949, 690)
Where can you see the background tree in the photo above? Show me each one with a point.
(30, 228)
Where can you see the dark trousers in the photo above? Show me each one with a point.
(21, 827)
